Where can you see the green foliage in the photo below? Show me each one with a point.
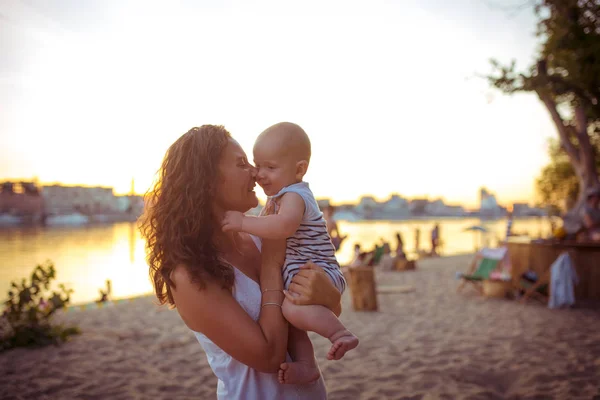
(569, 52)
(566, 76)
(28, 312)
(557, 184)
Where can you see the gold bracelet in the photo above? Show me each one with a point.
(272, 290)
(271, 304)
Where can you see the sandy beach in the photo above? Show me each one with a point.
(430, 343)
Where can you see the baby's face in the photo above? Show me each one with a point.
(276, 167)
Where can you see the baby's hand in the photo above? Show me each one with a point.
(232, 222)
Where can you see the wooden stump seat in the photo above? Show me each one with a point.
(361, 281)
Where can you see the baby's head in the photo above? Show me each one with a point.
(281, 154)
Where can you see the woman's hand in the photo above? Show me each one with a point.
(311, 285)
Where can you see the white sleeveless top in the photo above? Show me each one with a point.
(239, 381)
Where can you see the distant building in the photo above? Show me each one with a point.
(438, 208)
(488, 205)
(435, 208)
(520, 209)
(524, 210)
(366, 206)
(21, 199)
(346, 212)
(132, 204)
(323, 203)
(418, 206)
(396, 204)
(455, 211)
(60, 199)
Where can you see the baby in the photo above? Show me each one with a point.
(282, 154)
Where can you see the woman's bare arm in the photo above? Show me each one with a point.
(214, 312)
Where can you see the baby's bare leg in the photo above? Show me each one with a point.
(321, 320)
(304, 367)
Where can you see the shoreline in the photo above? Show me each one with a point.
(99, 220)
(90, 305)
(67, 220)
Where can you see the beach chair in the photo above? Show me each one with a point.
(537, 289)
(488, 264)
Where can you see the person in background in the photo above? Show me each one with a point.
(400, 247)
(509, 223)
(417, 240)
(435, 239)
(387, 261)
(357, 250)
(332, 227)
(590, 215)
(360, 258)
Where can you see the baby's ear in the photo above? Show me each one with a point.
(301, 168)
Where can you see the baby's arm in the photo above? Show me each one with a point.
(278, 226)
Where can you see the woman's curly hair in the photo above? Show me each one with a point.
(178, 223)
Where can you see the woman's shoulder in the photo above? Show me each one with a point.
(190, 285)
(180, 275)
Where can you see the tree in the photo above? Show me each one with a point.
(567, 81)
(557, 184)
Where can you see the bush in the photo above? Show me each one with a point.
(28, 312)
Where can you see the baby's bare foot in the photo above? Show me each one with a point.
(342, 342)
(298, 372)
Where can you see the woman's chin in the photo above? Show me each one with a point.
(253, 200)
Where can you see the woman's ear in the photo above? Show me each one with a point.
(301, 168)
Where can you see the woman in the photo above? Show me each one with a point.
(225, 290)
(400, 254)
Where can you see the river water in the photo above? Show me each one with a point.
(85, 257)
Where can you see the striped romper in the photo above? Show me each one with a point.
(310, 242)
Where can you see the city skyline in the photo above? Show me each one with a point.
(262, 197)
(94, 93)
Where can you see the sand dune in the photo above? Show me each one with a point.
(429, 343)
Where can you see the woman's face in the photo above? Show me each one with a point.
(235, 189)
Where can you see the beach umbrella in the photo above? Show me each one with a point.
(476, 228)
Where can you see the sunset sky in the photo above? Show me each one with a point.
(93, 92)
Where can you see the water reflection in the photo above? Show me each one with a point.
(86, 257)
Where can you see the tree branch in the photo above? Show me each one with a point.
(581, 123)
(560, 125)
